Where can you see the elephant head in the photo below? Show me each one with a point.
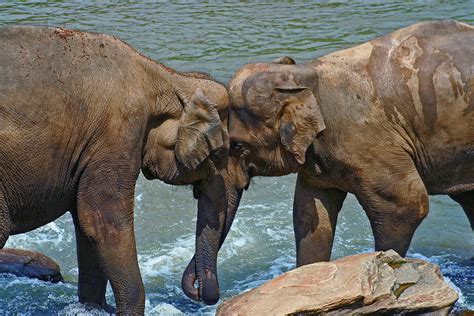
(274, 118)
(187, 143)
(187, 130)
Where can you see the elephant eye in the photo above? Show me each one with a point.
(239, 149)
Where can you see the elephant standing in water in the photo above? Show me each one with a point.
(80, 115)
(390, 121)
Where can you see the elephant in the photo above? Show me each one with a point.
(81, 114)
(390, 121)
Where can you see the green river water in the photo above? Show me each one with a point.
(219, 38)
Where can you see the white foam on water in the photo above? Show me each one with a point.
(238, 239)
(276, 234)
(233, 246)
(138, 209)
(255, 206)
(74, 271)
(165, 261)
(49, 233)
(81, 310)
(434, 259)
(462, 302)
(161, 309)
(21, 294)
(282, 264)
(208, 310)
(33, 282)
(278, 266)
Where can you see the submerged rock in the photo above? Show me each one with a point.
(380, 282)
(31, 264)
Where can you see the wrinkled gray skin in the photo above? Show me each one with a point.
(390, 121)
(80, 115)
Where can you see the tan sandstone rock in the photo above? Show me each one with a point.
(31, 264)
(380, 282)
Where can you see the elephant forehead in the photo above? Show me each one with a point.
(220, 97)
(237, 82)
(214, 92)
(253, 86)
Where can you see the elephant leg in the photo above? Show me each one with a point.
(395, 203)
(314, 219)
(92, 279)
(466, 200)
(105, 217)
(5, 222)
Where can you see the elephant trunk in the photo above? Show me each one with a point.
(233, 201)
(189, 279)
(210, 224)
(215, 217)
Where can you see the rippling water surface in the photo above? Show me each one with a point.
(219, 38)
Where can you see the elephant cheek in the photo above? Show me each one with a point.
(160, 164)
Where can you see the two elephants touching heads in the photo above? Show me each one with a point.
(389, 121)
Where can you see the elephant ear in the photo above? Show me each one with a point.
(301, 120)
(200, 130)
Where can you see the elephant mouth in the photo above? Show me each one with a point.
(196, 192)
(252, 171)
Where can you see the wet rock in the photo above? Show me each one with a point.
(31, 264)
(372, 283)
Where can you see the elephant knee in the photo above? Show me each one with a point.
(423, 208)
(411, 214)
(407, 204)
(416, 208)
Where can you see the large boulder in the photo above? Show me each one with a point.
(29, 264)
(380, 282)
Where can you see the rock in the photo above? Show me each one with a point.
(371, 283)
(31, 264)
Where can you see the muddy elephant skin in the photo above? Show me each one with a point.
(80, 115)
(390, 121)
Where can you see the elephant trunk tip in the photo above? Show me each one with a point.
(210, 292)
(188, 280)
